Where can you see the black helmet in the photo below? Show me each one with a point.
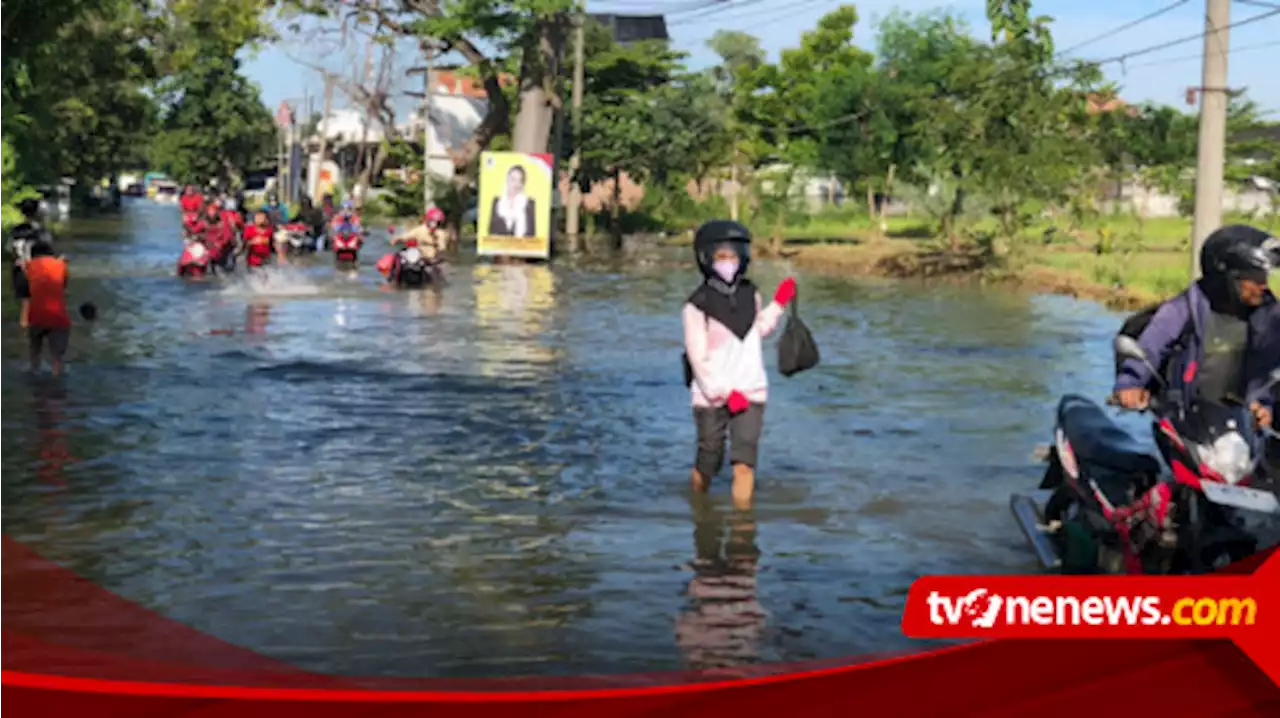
(29, 207)
(1237, 252)
(715, 233)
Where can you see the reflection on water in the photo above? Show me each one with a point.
(52, 448)
(514, 304)
(724, 622)
(490, 477)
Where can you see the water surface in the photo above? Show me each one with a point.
(491, 479)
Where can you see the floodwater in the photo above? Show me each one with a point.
(491, 479)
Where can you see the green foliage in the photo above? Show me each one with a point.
(214, 125)
(645, 116)
(12, 189)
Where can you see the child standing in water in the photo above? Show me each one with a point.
(724, 323)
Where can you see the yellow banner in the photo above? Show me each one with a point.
(514, 209)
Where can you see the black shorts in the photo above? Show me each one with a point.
(715, 426)
(21, 288)
(57, 338)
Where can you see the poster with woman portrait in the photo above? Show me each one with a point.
(514, 209)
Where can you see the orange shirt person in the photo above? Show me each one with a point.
(47, 318)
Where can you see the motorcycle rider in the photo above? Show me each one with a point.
(259, 242)
(430, 236)
(312, 217)
(231, 212)
(1220, 338)
(218, 234)
(276, 211)
(21, 238)
(191, 200)
(346, 220)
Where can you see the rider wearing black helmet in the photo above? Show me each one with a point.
(1220, 338)
(724, 323)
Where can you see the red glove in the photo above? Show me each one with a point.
(786, 291)
(737, 403)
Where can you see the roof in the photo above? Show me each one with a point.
(1097, 103)
(453, 83)
(634, 28)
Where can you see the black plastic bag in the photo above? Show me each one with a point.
(797, 350)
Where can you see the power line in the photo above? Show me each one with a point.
(1173, 43)
(787, 10)
(714, 8)
(1129, 25)
(1197, 56)
(1060, 72)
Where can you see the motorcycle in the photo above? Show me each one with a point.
(413, 269)
(1111, 508)
(346, 248)
(296, 239)
(196, 261)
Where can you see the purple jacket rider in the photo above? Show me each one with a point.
(1160, 335)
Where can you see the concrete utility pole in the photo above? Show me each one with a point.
(573, 209)
(1212, 145)
(428, 90)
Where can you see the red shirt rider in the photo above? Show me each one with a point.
(259, 240)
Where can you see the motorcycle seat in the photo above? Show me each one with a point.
(1096, 439)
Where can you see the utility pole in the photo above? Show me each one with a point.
(1211, 147)
(428, 89)
(733, 183)
(557, 147)
(324, 134)
(574, 208)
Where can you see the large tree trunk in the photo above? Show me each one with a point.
(538, 93)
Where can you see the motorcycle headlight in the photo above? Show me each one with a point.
(1230, 456)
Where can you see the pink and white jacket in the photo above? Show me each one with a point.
(723, 363)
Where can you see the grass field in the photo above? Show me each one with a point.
(1119, 259)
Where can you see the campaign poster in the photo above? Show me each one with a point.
(514, 209)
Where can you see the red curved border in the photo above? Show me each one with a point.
(51, 670)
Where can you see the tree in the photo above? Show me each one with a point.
(642, 115)
(785, 107)
(1036, 141)
(491, 36)
(90, 111)
(214, 124)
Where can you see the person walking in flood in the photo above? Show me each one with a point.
(21, 238)
(47, 318)
(724, 325)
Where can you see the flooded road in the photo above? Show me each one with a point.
(492, 479)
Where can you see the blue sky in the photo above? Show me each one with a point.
(1161, 76)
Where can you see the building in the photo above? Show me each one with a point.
(627, 29)
(458, 106)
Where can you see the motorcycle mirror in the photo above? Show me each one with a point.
(1128, 348)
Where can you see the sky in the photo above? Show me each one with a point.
(1162, 76)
